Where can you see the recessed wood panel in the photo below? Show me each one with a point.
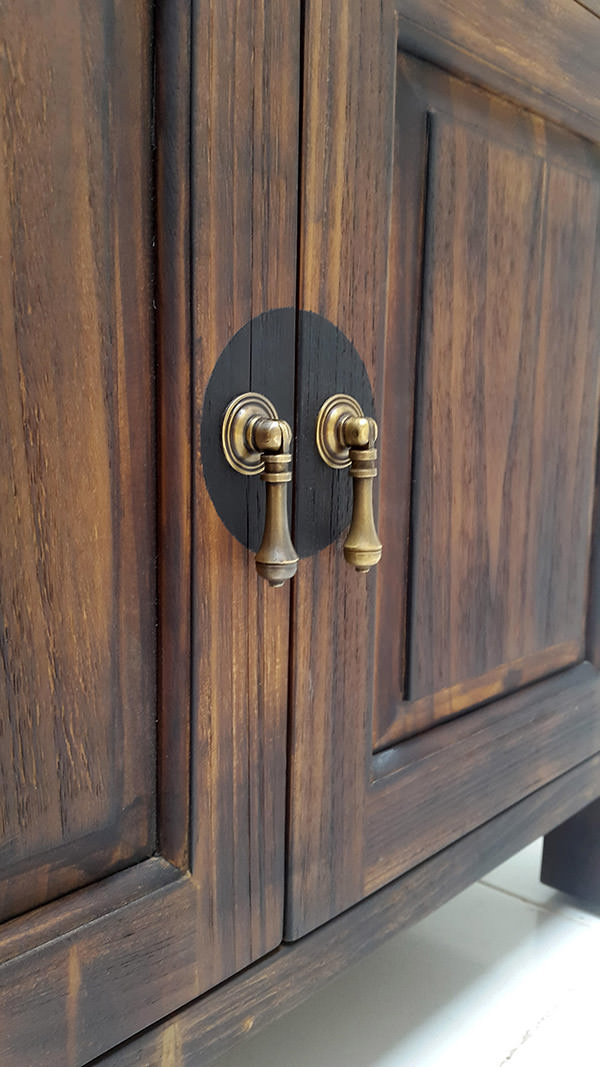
(500, 352)
(504, 445)
(77, 674)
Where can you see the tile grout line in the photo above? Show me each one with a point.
(548, 910)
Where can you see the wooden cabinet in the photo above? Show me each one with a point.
(214, 793)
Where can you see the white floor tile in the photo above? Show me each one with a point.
(520, 876)
(489, 980)
(565, 1036)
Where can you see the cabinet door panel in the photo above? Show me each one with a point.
(144, 663)
(460, 256)
(505, 411)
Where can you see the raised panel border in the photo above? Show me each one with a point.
(428, 96)
(541, 55)
(77, 497)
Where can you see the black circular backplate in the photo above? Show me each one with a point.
(297, 360)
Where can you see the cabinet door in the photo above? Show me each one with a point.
(450, 211)
(142, 725)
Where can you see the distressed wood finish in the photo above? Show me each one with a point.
(463, 229)
(506, 410)
(542, 53)
(390, 226)
(205, 1030)
(343, 255)
(244, 216)
(92, 968)
(462, 773)
(77, 541)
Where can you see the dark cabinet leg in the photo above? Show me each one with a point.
(571, 860)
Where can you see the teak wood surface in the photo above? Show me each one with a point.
(171, 171)
(90, 969)
(203, 1031)
(475, 307)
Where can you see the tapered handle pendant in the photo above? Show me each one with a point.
(256, 441)
(276, 559)
(346, 438)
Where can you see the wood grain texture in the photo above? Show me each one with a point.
(522, 315)
(244, 216)
(348, 93)
(540, 53)
(428, 103)
(93, 968)
(506, 426)
(506, 601)
(77, 543)
(73, 996)
(571, 857)
(206, 1029)
(449, 780)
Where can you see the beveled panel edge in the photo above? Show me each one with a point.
(474, 693)
(432, 30)
(453, 97)
(455, 732)
(592, 632)
(174, 404)
(145, 951)
(64, 916)
(531, 738)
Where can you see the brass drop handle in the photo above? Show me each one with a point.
(346, 438)
(256, 441)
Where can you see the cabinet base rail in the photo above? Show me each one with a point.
(209, 1026)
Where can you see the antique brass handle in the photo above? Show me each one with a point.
(346, 438)
(256, 441)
